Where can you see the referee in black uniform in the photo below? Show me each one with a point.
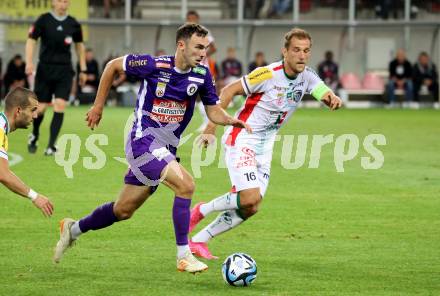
(53, 79)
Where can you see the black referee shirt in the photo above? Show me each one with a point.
(57, 34)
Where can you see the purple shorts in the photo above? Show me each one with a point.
(147, 159)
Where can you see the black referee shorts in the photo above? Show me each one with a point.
(53, 79)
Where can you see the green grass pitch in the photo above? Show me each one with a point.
(318, 232)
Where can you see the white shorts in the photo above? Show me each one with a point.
(248, 163)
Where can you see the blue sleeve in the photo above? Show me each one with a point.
(208, 94)
(138, 66)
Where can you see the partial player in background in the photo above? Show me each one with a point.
(165, 106)
(54, 76)
(192, 16)
(273, 94)
(20, 110)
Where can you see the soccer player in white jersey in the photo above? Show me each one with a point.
(273, 94)
(21, 106)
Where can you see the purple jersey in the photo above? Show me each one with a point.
(167, 95)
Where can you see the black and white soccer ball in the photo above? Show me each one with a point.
(239, 269)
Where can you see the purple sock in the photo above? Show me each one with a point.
(101, 217)
(181, 215)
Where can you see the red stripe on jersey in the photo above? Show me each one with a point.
(278, 67)
(251, 102)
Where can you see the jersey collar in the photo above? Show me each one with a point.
(287, 76)
(7, 122)
(59, 18)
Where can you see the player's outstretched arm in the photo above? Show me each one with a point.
(113, 67)
(226, 95)
(13, 183)
(217, 113)
(331, 100)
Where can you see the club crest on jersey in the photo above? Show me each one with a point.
(191, 89)
(160, 89)
(68, 40)
(295, 95)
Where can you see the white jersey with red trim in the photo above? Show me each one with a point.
(272, 97)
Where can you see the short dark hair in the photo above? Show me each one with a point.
(19, 97)
(188, 29)
(424, 54)
(192, 12)
(298, 34)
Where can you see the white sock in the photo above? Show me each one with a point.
(202, 111)
(182, 251)
(75, 231)
(224, 222)
(228, 201)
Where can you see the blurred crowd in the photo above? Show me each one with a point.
(406, 78)
(270, 9)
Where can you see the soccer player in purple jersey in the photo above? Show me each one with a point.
(165, 105)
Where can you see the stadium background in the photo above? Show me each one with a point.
(319, 232)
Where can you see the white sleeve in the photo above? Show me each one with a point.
(312, 79)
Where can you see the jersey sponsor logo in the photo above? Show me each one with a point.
(167, 111)
(163, 65)
(259, 75)
(137, 63)
(166, 80)
(199, 70)
(160, 89)
(195, 79)
(164, 59)
(165, 74)
(280, 88)
(298, 84)
(191, 89)
(247, 158)
(68, 40)
(280, 99)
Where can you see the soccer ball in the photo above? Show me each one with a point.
(239, 269)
